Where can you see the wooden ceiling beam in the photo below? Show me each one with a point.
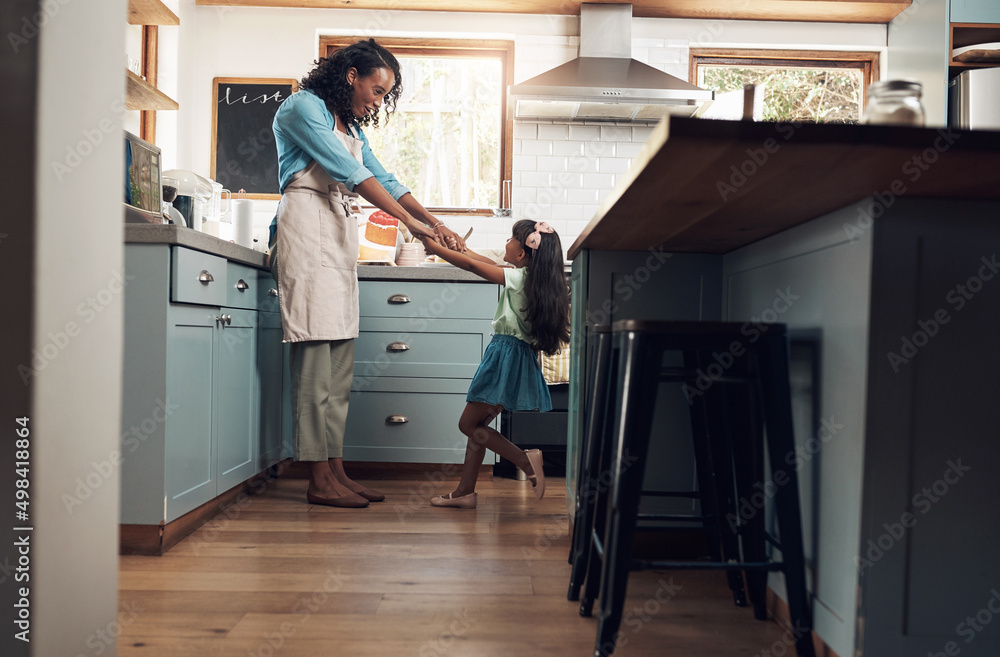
(829, 11)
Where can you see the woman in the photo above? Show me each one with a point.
(324, 164)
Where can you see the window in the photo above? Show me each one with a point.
(450, 139)
(821, 87)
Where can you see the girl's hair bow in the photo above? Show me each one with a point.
(533, 240)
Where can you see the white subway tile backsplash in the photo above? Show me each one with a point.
(628, 149)
(583, 164)
(551, 163)
(546, 131)
(567, 211)
(599, 148)
(599, 180)
(641, 134)
(582, 196)
(525, 131)
(526, 162)
(585, 132)
(566, 180)
(616, 133)
(550, 194)
(523, 194)
(612, 164)
(535, 178)
(536, 147)
(567, 147)
(590, 210)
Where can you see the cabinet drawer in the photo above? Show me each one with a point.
(267, 292)
(241, 288)
(428, 299)
(197, 277)
(450, 350)
(426, 432)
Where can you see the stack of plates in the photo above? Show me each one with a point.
(410, 254)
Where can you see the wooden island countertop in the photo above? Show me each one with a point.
(708, 186)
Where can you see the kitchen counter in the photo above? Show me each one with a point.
(704, 186)
(193, 239)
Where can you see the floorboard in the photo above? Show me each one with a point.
(276, 576)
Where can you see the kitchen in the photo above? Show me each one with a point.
(227, 41)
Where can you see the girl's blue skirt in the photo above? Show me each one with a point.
(510, 375)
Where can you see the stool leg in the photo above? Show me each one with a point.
(601, 479)
(748, 523)
(638, 374)
(707, 422)
(776, 397)
(587, 483)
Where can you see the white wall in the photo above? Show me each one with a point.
(268, 42)
(76, 414)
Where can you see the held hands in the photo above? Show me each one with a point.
(450, 238)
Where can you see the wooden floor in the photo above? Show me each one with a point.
(276, 576)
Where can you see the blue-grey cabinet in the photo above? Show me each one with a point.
(272, 364)
(420, 343)
(191, 393)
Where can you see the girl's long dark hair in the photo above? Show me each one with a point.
(547, 297)
(328, 79)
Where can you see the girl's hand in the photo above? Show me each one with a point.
(422, 232)
(431, 245)
(450, 238)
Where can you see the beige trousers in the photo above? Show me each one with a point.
(321, 391)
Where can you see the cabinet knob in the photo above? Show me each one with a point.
(205, 277)
(396, 418)
(399, 298)
(242, 286)
(229, 319)
(397, 347)
(272, 292)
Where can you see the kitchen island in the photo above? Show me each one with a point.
(877, 247)
(206, 403)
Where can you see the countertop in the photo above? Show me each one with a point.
(193, 239)
(708, 186)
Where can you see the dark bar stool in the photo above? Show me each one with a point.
(715, 488)
(756, 361)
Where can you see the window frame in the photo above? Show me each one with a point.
(457, 48)
(866, 61)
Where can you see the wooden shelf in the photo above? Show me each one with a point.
(970, 34)
(829, 11)
(140, 95)
(150, 12)
(704, 186)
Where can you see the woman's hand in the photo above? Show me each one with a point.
(422, 231)
(450, 238)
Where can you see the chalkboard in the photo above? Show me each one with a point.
(243, 151)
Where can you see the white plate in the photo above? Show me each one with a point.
(979, 52)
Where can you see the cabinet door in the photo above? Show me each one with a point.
(236, 407)
(270, 368)
(189, 472)
(975, 11)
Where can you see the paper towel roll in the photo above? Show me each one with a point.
(243, 222)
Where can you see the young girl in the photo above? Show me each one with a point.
(533, 315)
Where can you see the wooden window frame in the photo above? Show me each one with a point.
(458, 48)
(866, 61)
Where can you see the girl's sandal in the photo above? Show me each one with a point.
(537, 479)
(463, 502)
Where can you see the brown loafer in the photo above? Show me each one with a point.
(372, 495)
(347, 502)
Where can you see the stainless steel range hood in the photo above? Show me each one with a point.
(604, 83)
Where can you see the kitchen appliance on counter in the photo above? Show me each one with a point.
(142, 181)
(974, 99)
(193, 193)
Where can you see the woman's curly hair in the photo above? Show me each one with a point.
(328, 79)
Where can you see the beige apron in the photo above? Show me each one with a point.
(318, 254)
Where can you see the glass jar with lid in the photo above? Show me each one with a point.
(894, 102)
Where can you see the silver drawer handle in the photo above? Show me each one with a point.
(397, 347)
(225, 320)
(397, 419)
(272, 292)
(242, 286)
(205, 277)
(399, 298)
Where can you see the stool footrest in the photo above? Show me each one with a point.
(643, 564)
